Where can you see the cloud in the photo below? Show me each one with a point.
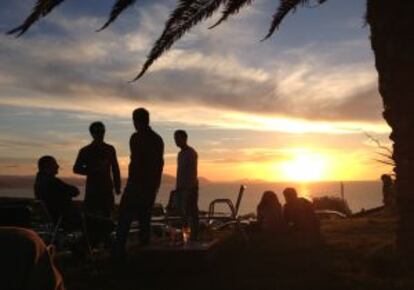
(247, 155)
(78, 69)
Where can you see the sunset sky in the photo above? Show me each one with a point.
(294, 107)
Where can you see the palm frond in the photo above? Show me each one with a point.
(284, 8)
(117, 9)
(41, 9)
(187, 14)
(319, 2)
(232, 7)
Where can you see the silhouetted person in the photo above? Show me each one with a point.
(388, 193)
(269, 214)
(172, 205)
(187, 182)
(26, 263)
(56, 194)
(144, 179)
(300, 215)
(97, 161)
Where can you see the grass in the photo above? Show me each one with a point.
(357, 253)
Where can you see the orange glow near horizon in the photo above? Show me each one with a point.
(291, 164)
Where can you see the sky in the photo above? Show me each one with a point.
(297, 107)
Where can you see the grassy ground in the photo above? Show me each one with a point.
(357, 254)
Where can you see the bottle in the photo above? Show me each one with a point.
(186, 234)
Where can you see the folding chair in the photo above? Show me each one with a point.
(234, 209)
(232, 220)
(53, 233)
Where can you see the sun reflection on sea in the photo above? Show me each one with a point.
(304, 190)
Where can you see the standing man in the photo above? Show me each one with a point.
(187, 182)
(97, 161)
(144, 179)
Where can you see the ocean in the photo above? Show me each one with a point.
(359, 194)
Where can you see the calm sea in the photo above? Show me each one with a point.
(359, 194)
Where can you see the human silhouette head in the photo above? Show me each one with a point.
(180, 138)
(386, 179)
(269, 198)
(47, 164)
(97, 130)
(140, 118)
(290, 194)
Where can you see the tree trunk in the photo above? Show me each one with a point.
(392, 40)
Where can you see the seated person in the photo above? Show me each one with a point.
(56, 194)
(300, 215)
(269, 214)
(26, 262)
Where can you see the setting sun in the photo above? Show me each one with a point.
(305, 166)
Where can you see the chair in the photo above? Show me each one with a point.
(52, 232)
(233, 220)
(234, 209)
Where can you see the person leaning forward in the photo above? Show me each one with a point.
(56, 194)
(144, 179)
(300, 216)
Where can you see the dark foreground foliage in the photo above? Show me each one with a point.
(356, 254)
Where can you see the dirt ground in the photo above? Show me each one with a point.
(357, 253)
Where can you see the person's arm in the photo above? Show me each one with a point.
(259, 216)
(116, 174)
(287, 214)
(131, 166)
(80, 164)
(68, 189)
(36, 188)
(160, 161)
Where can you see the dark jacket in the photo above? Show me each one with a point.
(55, 194)
(97, 161)
(147, 162)
(301, 215)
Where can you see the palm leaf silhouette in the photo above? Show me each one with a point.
(283, 9)
(187, 14)
(41, 9)
(232, 7)
(117, 9)
(184, 17)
